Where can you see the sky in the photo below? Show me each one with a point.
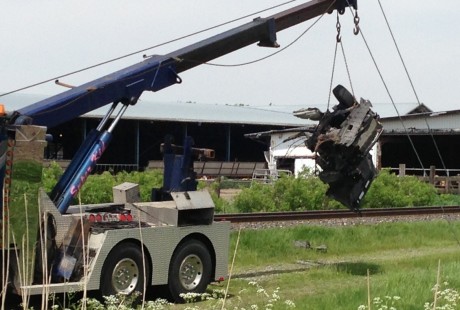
(44, 39)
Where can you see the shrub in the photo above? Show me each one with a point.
(391, 191)
(51, 175)
(257, 198)
(98, 187)
(306, 192)
(288, 193)
(447, 200)
(293, 194)
(147, 180)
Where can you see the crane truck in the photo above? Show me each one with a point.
(126, 245)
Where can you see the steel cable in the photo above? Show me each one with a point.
(141, 51)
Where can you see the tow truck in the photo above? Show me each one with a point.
(126, 246)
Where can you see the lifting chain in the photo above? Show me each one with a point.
(356, 31)
(338, 26)
(356, 20)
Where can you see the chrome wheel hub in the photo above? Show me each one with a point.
(191, 272)
(125, 276)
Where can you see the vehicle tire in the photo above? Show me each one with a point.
(344, 97)
(123, 271)
(190, 269)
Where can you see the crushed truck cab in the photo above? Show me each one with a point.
(342, 141)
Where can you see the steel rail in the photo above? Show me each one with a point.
(333, 214)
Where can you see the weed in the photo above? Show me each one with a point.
(445, 298)
(385, 303)
(214, 300)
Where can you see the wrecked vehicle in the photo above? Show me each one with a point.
(342, 141)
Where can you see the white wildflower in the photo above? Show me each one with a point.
(289, 303)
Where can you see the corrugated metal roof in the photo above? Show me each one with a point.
(389, 110)
(185, 112)
(280, 115)
(208, 113)
(424, 122)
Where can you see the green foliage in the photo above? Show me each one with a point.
(23, 211)
(288, 193)
(306, 192)
(98, 187)
(447, 200)
(444, 298)
(387, 302)
(391, 191)
(23, 201)
(263, 246)
(257, 198)
(252, 292)
(293, 194)
(402, 260)
(220, 205)
(113, 302)
(214, 187)
(147, 180)
(29, 171)
(51, 175)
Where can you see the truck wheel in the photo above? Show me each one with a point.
(123, 271)
(190, 269)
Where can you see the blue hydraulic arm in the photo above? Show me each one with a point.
(155, 73)
(84, 161)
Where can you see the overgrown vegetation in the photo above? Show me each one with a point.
(389, 190)
(288, 193)
(400, 261)
(401, 258)
(308, 193)
(98, 187)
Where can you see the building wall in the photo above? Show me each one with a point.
(422, 151)
(282, 146)
(229, 143)
(138, 141)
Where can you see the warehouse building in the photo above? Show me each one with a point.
(413, 134)
(137, 138)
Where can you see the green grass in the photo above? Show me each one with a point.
(402, 259)
(23, 206)
(264, 246)
(398, 259)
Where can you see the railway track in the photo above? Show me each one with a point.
(333, 214)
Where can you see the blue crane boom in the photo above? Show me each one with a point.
(126, 86)
(160, 71)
